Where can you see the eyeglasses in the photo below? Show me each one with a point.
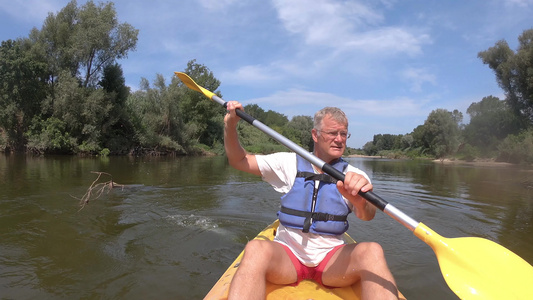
(333, 134)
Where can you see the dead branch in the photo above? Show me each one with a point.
(98, 188)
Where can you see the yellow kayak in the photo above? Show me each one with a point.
(307, 289)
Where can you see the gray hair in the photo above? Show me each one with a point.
(335, 113)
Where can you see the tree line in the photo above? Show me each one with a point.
(62, 91)
(498, 128)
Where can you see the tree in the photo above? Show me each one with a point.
(22, 88)
(255, 111)
(384, 142)
(302, 125)
(369, 148)
(100, 39)
(79, 47)
(491, 120)
(157, 116)
(203, 116)
(514, 73)
(55, 43)
(441, 132)
(84, 40)
(117, 129)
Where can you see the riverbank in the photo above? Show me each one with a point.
(477, 162)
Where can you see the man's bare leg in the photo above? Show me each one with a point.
(365, 262)
(262, 261)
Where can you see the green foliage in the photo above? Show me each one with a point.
(49, 136)
(517, 148)
(438, 137)
(514, 73)
(157, 119)
(84, 40)
(105, 152)
(297, 130)
(302, 126)
(21, 89)
(468, 153)
(55, 74)
(200, 113)
(491, 120)
(441, 132)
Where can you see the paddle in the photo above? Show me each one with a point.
(474, 268)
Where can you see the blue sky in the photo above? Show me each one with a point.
(386, 63)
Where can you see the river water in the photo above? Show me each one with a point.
(179, 222)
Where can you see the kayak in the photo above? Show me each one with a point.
(307, 289)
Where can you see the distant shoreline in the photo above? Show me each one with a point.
(364, 156)
(476, 162)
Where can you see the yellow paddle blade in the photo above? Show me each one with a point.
(192, 85)
(476, 268)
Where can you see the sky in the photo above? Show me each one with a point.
(387, 63)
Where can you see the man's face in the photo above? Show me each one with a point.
(330, 141)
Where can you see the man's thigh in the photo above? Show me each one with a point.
(343, 267)
(280, 268)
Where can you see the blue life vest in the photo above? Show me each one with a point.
(319, 210)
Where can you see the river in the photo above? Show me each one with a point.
(178, 223)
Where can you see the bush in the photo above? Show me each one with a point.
(517, 148)
(49, 136)
(105, 152)
(468, 153)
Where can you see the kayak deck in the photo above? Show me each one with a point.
(307, 289)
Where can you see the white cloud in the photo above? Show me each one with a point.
(250, 74)
(347, 25)
(298, 100)
(417, 77)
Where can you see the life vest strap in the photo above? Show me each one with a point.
(318, 216)
(313, 176)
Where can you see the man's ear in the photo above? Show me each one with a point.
(314, 134)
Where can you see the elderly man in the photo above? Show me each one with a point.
(308, 242)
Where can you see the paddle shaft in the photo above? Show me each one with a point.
(371, 197)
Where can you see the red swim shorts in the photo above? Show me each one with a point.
(305, 272)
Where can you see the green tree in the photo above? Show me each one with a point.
(157, 116)
(255, 111)
(516, 148)
(441, 132)
(384, 142)
(49, 136)
(80, 47)
(369, 148)
(275, 119)
(84, 40)
(117, 129)
(514, 73)
(491, 120)
(302, 125)
(55, 43)
(22, 88)
(100, 39)
(204, 118)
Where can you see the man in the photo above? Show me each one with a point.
(309, 246)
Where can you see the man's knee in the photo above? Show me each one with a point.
(258, 248)
(370, 252)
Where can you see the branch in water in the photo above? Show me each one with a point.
(98, 188)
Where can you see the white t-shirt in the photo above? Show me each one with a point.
(279, 169)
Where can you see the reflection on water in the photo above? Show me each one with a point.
(181, 221)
